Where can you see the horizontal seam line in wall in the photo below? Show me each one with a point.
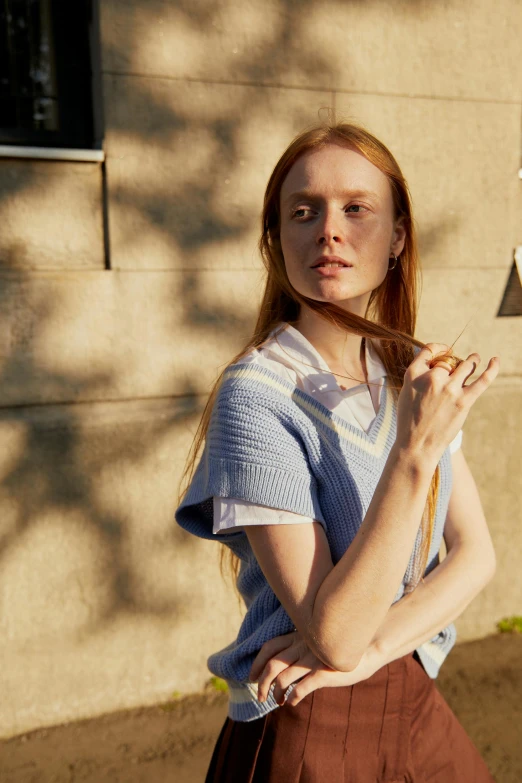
(24, 274)
(334, 90)
(64, 403)
(195, 270)
(501, 377)
(225, 82)
(427, 97)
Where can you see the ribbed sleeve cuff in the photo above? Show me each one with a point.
(269, 486)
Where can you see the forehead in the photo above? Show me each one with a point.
(334, 169)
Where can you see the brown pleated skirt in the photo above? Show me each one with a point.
(394, 727)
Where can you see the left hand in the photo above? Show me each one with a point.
(286, 659)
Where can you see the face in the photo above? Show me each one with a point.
(337, 207)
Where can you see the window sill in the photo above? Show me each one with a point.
(52, 153)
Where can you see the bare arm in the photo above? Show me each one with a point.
(438, 600)
(444, 593)
(324, 601)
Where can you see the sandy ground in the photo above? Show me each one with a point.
(172, 743)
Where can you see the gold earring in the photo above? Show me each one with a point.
(395, 260)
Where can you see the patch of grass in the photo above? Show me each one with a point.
(171, 705)
(213, 684)
(511, 624)
(218, 684)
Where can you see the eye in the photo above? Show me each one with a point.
(357, 207)
(301, 212)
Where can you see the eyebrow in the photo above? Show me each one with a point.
(309, 194)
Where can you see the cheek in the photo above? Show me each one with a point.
(291, 243)
(370, 235)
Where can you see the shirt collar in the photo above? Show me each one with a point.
(299, 353)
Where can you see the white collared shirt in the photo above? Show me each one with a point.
(290, 354)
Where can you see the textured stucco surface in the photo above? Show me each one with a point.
(112, 335)
(188, 164)
(105, 603)
(434, 48)
(102, 597)
(491, 445)
(51, 215)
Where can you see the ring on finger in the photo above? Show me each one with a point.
(449, 363)
(443, 364)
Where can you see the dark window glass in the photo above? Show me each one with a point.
(511, 303)
(49, 73)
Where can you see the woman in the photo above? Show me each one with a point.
(331, 469)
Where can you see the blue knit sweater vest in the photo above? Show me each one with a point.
(270, 443)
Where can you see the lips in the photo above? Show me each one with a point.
(325, 261)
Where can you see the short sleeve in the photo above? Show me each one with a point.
(232, 513)
(256, 450)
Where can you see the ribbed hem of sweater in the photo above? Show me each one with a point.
(434, 653)
(244, 706)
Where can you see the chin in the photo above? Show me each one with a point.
(336, 297)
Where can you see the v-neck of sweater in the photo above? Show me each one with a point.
(291, 355)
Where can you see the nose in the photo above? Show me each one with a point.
(329, 230)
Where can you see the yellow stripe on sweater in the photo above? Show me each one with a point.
(375, 449)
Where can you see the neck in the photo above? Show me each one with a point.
(337, 346)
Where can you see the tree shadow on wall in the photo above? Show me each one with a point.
(60, 445)
(170, 200)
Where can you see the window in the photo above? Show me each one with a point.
(511, 303)
(50, 92)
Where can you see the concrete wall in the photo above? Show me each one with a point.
(105, 603)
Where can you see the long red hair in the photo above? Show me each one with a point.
(392, 308)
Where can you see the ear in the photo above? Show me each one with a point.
(398, 238)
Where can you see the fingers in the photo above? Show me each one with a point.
(435, 348)
(441, 364)
(474, 389)
(465, 369)
(273, 669)
(286, 678)
(268, 650)
(305, 686)
(459, 374)
(421, 363)
(443, 368)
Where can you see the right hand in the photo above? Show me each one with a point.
(285, 660)
(433, 403)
